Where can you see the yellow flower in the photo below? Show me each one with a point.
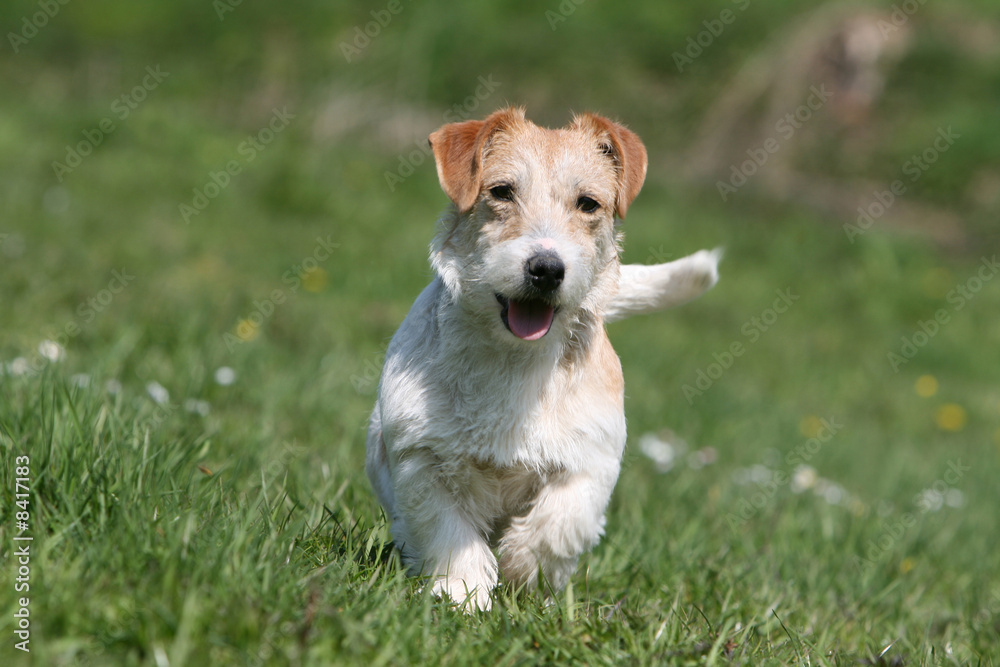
(247, 330)
(927, 386)
(810, 426)
(314, 280)
(906, 565)
(950, 417)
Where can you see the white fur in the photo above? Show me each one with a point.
(483, 443)
(646, 288)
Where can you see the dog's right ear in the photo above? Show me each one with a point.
(458, 153)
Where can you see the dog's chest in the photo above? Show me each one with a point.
(521, 417)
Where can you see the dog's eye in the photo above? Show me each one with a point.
(587, 205)
(503, 192)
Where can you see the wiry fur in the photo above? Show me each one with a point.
(482, 441)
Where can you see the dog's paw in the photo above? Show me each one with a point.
(468, 598)
(701, 269)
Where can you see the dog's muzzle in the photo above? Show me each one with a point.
(530, 317)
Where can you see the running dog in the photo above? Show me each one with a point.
(498, 431)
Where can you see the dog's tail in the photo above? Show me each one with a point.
(645, 288)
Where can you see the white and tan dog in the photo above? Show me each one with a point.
(500, 420)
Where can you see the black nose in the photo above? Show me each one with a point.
(546, 271)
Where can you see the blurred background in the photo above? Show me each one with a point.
(217, 213)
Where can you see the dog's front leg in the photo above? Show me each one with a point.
(440, 536)
(565, 520)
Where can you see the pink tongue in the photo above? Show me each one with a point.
(529, 320)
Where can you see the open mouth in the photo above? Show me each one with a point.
(528, 319)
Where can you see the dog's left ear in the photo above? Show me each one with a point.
(458, 153)
(625, 148)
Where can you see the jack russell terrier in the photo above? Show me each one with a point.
(498, 431)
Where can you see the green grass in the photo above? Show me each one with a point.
(247, 533)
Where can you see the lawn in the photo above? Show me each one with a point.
(214, 222)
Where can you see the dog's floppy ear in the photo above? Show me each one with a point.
(458, 153)
(627, 151)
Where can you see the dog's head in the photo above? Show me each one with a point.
(530, 245)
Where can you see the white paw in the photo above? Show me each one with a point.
(702, 270)
(468, 598)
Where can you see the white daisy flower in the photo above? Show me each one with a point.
(662, 453)
(804, 477)
(225, 376)
(930, 500)
(954, 498)
(198, 407)
(18, 367)
(51, 350)
(158, 393)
